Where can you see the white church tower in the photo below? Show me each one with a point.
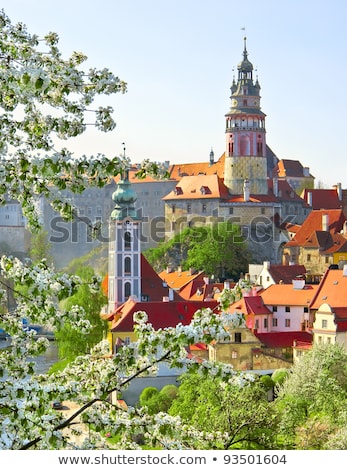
(124, 258)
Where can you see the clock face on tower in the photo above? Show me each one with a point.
(234, 103)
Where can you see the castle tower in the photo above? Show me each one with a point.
(245, 155)
(124, 254)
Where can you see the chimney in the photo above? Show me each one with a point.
(246, 192)
(275, 186)
(306, 171)
(298, 284)
(339, 191)
(325, 223)
(266, 264)
(309, 198)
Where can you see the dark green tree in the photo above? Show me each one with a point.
(217, 249)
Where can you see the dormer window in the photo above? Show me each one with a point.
(205, 190)
(178, 190)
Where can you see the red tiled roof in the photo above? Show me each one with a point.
(331, 290)
(285, 294)
(160, 314)
(252, 305)
(199, 187)
(194, 169)
(286, 273)
(179, 279)
(313, 223)
(198, 289)
(284, 193)
(152, 284)
(322, 198)
(283, 339)
(285, 168)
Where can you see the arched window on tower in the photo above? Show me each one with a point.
(127, 265)
(127, 290)
(127, 241)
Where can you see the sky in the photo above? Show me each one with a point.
(179, 58)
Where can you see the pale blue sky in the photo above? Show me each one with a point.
(178, 58)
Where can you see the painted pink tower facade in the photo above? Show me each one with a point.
(245, 154)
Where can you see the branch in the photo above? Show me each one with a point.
(91, 402)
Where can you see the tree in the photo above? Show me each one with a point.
(40, 248)
(239, 409)
(70, 342)
(312, 399)
(217, 249)
(155, 400)
(221, 251)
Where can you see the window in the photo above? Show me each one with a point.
(127, 265)
(204, 208)
(233, 354)
(127, 241)
(127, 290)
(324, 323)
(262, 210)
(189, 208)
(274, 308)
(256, 326)
(231, 210)
(265, 323)
(305, 309)
(308, 257)
(287, 309)
(274, 322)
(173, 208)
(287, 322)
(327, 259)
(237, 337)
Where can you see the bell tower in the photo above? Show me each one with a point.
(124, 254)
(245, 154)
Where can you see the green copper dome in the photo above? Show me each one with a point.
(124, 197)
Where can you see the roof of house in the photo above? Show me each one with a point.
(286, 273)
(286, 294)
(322, 198)
(177, 171)
(152, 284)
(331, 290)
(178, 279)
(199, 289)
(284, 193)
(291, 168)
(160, 314)
(252, 305)
(199, 187)
(313, 223)
(283, 339)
